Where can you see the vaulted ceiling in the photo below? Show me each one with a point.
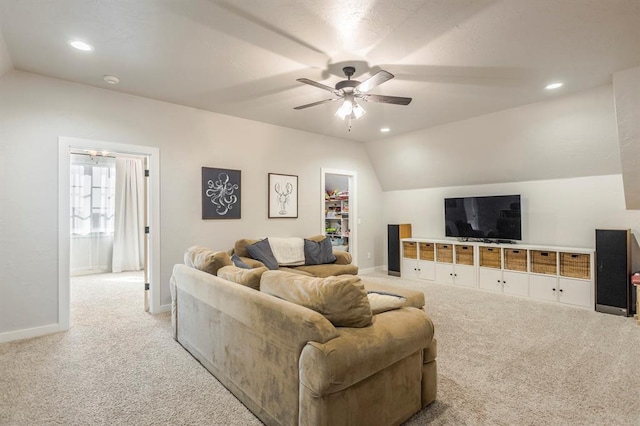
(456, 59)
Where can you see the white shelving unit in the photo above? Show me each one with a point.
(337, 224)
(556, 274)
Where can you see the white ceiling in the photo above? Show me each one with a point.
(456, 58)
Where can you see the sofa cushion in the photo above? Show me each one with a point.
(205, 259)
(240, 247)
(248, 277)
(328, 270)
(239, 262)
(318, 252)
(341, 299)
(261, 251)
(383, 302)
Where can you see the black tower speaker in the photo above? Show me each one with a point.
(613, 271)
(394, 234)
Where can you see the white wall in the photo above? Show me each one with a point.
(5, 59)
(559, 212)
(35, 111)
(566, 136)
(626, 86)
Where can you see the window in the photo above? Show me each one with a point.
(92, 195)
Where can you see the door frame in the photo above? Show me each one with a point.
(353, 206)
(65, 147)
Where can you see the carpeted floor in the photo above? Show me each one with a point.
(502, 361)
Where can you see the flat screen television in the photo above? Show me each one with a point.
(493, 217)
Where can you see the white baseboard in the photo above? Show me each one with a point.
(371, 270)
(163, 309)
(28, 333)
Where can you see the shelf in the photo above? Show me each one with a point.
(558, 274)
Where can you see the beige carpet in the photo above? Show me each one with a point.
(502, 361)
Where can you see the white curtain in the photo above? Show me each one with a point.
(128, 239)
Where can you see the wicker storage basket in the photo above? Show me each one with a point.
(464, 254)
(490, 257)
(515, 260)
(409, 250)
(544, 262)
(444, 253)
(575, 265)
(426, 251)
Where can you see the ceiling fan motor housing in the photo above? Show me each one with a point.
(349, 84)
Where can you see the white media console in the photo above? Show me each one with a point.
(556, 274)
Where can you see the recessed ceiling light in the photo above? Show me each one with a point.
(553, 86)
(81, 45)
(385, 129)
(111, 79)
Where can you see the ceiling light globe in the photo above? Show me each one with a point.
(81, 45)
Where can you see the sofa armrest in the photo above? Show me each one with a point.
(359, 353)
(342, 257)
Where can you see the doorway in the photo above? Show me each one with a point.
(100, 211)
(339, 209)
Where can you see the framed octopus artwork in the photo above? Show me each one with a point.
(220, 193)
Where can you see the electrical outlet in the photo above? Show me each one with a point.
(368, 255)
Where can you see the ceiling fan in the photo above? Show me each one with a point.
(351, 90)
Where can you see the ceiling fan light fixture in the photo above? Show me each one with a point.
(358, 111)
(345, 109)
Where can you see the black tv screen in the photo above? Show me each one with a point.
(494, 217)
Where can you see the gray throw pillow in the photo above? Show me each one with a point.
(262, 251)
(318, 252)
(238, 262)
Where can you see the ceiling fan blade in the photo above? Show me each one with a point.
(319, 85)
(395, 100)
(373, 81)
(315, 103)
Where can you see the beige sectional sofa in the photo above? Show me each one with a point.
(289, 364)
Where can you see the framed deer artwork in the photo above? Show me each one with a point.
(283, 196)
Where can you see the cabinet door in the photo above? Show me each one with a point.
(464, 275)
(427, 270)
(444, 273)
(410, 268)
(515, 283)
(575, 292)
(490, 279)
(543, 287)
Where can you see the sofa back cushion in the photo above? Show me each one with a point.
(205, 259)
(240, 248)
(341, 299)
(247, 277)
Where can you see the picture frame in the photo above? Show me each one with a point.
(221, 193)
(283, 196)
